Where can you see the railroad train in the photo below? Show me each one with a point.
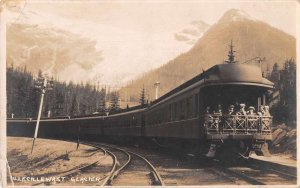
(193, 117)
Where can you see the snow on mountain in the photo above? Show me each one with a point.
(234, 15)
(81, 50)
(251, 39)
(192, 32)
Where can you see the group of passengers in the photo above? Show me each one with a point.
(263, 110)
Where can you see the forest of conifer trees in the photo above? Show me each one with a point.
(284, 79)
(64, 99)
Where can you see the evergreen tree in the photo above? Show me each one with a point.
(275, 73)
(231, 55)
(59, 103)
(114, 102)
(74, 107)
(102, 102)
(285, 83)
(267, 72)
(143, 97)
(93, 100)
(10, 91)
(23, 98)
(288, 92)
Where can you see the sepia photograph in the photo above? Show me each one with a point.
(148, 93)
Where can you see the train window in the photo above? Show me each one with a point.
(175, 111)
(196, 105)
(187, 107)
(166, 114)
(152, 118)
(148, 119)
(170, 113)
(190, 107)
(182, 109)
(160, 115)
(133, 121)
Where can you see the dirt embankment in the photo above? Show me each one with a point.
(49, 158)
(284, 140)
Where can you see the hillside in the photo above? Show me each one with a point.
(251, 38)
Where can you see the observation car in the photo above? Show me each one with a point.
(182, 113)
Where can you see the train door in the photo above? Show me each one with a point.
(201, 113)
(143, 124)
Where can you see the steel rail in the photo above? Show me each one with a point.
(116, 171)
(240, 175)
(283, 174)
(153, 171)
(111, 173)
(289, 172)
(113, 169)
(286, 172)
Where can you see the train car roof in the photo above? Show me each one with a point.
(230, 73)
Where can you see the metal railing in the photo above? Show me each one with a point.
(237, 124)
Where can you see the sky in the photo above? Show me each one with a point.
(137, 36)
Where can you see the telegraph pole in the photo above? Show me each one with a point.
(156, 84)
(42, 84)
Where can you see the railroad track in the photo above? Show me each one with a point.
(253, 171)
(76, 170)
(289, 172)
(235, 176)
(131, 168)
(256, 172)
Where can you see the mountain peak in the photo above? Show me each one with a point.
(234, 15)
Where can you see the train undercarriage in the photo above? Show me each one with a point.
(219, 149)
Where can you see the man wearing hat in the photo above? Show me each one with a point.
(231, 110)
(242, 110)
(261, 110)
(208, 118)
(267, 112)
(251, 111)
(207, 110)
(219, 112)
